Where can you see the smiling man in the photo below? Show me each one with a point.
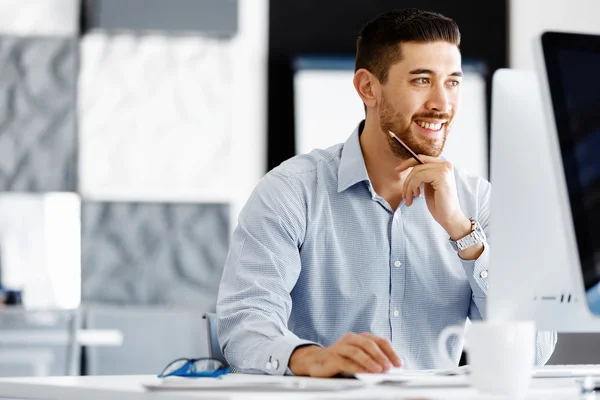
(355, 258)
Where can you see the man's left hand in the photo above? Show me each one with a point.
(437, 177)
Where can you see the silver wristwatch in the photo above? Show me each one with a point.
(476, 236)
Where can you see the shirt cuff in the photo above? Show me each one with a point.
(275, 359)
(477, 272)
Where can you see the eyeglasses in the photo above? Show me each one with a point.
(195, 368)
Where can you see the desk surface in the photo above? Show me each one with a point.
(130, 387)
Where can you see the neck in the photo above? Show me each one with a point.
(380, 161)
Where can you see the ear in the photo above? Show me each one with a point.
(368, 87)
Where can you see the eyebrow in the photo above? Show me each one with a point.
(420, 71)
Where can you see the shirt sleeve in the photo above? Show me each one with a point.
(477, 274)
(477, 270)
(261, 269)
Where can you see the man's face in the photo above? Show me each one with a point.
(421, 96)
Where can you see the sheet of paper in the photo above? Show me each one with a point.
(430, 381)
(407, 375)
(253, 383)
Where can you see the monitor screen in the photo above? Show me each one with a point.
(573, 67)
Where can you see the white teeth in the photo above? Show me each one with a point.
(430, 126)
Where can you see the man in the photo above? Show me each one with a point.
(355, 258)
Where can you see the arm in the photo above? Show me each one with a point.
(254, 302)
(442, 201)
(262, 267)
(477, 274)
(476, 260)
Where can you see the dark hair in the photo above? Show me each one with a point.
(378, 44)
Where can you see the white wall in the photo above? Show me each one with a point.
(528, 18)
(249, 114)
(327, 109)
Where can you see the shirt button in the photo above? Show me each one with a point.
(396, 313)
(483, 274)
(275, 364)
(269, 365)
(397, 263)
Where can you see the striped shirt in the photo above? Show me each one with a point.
(317, 253)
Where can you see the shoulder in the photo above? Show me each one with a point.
(284, 193)
(302, 170)
(310, 162)
(297, 178)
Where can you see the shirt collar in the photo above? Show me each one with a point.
(352, 164)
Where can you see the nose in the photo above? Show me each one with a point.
(439, 100)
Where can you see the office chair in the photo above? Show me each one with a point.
(171, 333)
(212, 333)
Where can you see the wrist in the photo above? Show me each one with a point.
(301, 359)
(459, 228)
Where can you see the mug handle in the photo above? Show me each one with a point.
(449, 331)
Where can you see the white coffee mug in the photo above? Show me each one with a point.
(500, 355)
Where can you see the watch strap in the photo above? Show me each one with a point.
(476, 237)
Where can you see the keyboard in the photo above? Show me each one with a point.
(567, 371)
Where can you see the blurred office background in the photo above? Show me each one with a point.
(133, 131)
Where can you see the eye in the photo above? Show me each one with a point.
(422, 81)
(454, 83)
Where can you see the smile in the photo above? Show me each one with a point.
(430, 126)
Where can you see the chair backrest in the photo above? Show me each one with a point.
(152, 337)
(212, 330)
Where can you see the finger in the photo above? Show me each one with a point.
(406, 164)
(421, 178)
(413, 181)
(429, 166)
(360, 356)
(349, 366)
(429, 175)
(405, 193)
(372, 348)
(335, 365)
(386, 347)
(409, 199)
(417, 170)
(415, 186)
(429, 159)
(411, 162)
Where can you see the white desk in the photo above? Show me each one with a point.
(130, 387)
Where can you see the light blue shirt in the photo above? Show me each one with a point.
(318, 253)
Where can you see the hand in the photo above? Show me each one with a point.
(351, 354)
(437, 177)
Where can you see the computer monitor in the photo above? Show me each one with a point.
(528, 276)
(571, 64)
(534, 271)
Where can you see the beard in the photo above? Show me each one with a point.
(392, 120)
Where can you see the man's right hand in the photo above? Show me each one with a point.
(351, 354)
